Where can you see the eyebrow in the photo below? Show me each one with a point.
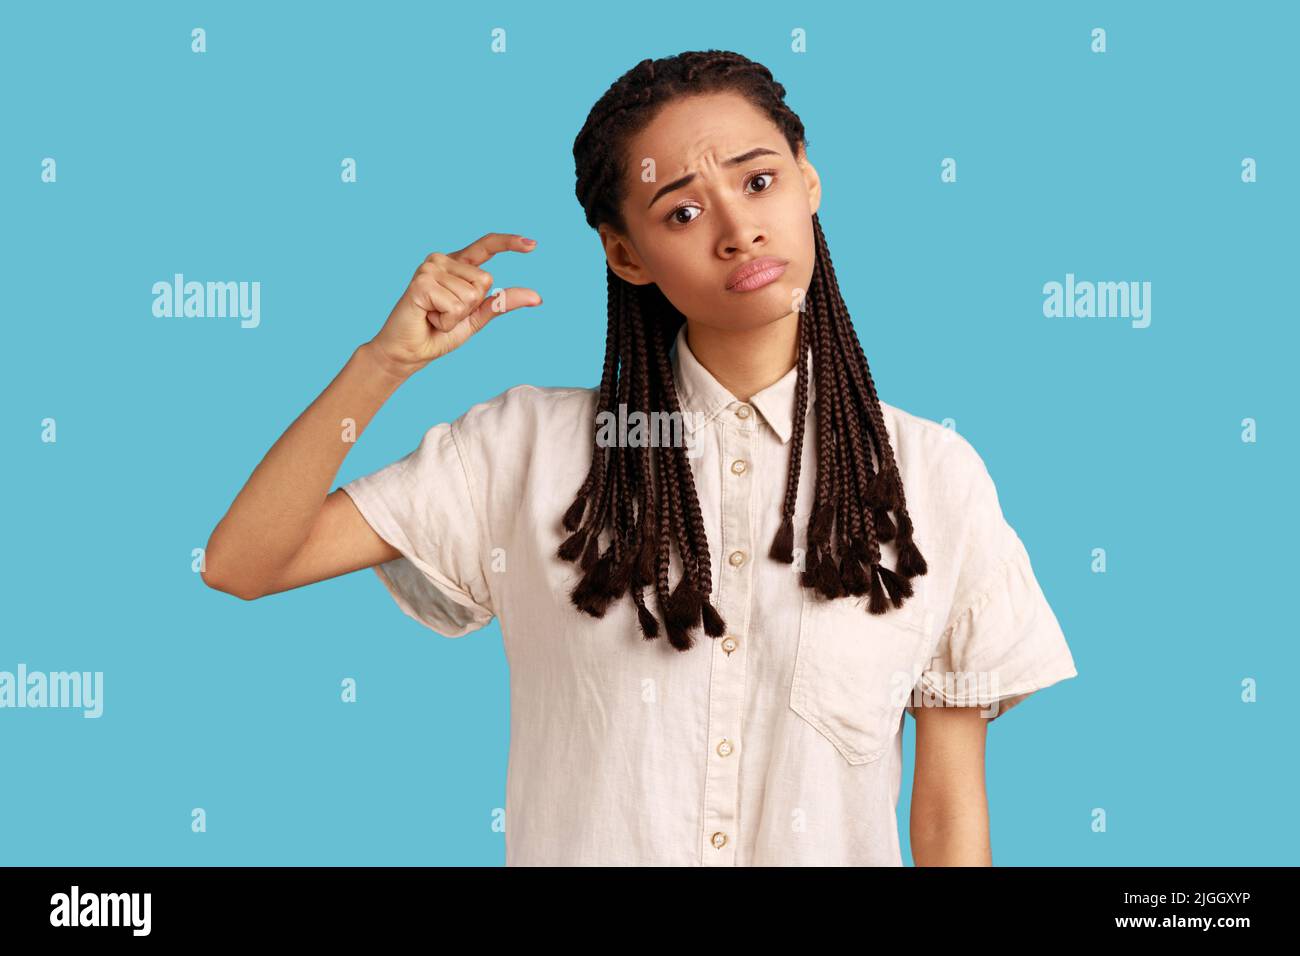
(734, 161)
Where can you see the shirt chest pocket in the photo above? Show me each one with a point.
(854, 671)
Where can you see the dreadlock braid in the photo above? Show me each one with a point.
(645, 496)
(888, 492)
(783, 544)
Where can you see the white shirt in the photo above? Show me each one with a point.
(777, 744)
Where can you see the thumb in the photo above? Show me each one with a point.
(506, 300)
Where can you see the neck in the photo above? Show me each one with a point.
(746, 361)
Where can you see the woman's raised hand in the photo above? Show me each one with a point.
(446, 302)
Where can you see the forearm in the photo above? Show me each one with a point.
(273, 514)
(950, 835)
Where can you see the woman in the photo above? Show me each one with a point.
(847, 561)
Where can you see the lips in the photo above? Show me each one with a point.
(756, 273)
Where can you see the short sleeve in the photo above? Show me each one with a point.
(1001, 640)
(423, 506)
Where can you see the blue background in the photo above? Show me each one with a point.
(225, 166)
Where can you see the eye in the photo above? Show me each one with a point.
(676, 220)
(673, 217)
(769, 174)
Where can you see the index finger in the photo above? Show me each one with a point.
(485, 247)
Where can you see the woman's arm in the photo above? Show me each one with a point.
(284, 529)
(950, 820)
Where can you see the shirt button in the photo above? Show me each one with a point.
(737, 558)
(728, 644)
(718, 839)
(724, 747)
(742, 411)
(738, 466)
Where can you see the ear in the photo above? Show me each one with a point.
(811, 179)
(623, 259)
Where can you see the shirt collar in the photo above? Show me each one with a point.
(699, 392)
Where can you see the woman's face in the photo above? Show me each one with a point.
(690, 237)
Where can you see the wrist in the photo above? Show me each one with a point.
(391, 372)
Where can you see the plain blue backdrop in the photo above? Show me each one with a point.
(226, 166)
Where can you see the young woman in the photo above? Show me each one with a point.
(723, 575)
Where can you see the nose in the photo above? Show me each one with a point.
(739, 231)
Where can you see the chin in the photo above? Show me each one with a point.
(758, 313)
(773, 301)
